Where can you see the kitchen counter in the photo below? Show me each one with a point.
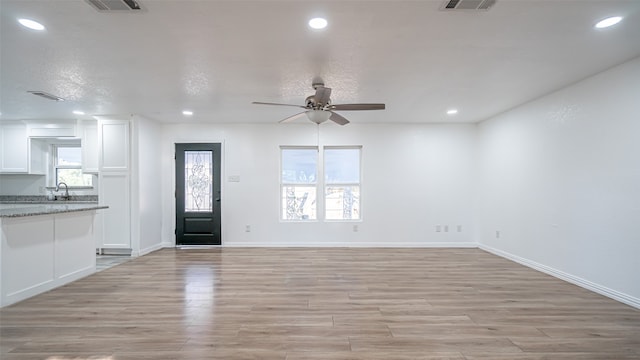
(20, 209)
(44, 245)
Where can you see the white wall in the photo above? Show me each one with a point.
(146, 201)
(414, 177)
(561, 182)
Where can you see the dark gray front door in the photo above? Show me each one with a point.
(198, 194)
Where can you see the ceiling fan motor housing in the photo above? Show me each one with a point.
(312, 103)
(317, 82)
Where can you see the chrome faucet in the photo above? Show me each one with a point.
(66, 190)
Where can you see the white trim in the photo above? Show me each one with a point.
(586, 284)
(47, 285)
(150, 249)
(357, 244)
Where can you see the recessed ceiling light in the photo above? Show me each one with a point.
(318, 23)
(187, 112)
(78, 112)
(452, 112)
(34, 25)
(608, 22)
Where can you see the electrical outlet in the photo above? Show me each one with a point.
(438, 228)
(355, 228)
(446, 228)
(459, 228)
(247, 228)
(497, 234)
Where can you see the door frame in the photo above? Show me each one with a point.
(221, 143)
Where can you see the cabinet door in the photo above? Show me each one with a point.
(114, 145)
(38, 149)
(90, 147)
(114, 192)
(14, 149)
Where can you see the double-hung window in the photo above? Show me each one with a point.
(338, 182)
(67, 166)
(298, 185)
(342, 183)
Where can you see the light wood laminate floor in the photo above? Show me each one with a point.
(304, 303)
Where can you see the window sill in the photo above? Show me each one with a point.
(71, 188)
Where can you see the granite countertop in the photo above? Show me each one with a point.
(22, 209)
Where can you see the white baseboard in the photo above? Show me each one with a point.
(357, 244)
(152, 248)
(602, 290)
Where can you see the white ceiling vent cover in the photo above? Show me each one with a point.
(46, 95)
(468, 5)
(115, 5)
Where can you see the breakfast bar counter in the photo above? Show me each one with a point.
(31, 209)
(43, 246)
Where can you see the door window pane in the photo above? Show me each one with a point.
(198, 180)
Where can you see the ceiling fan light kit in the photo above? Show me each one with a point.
(318, 107)
(318, 116)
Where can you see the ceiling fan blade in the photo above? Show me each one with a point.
(338, 119)
(358, 107)
(293, 117)
(322, 95)
(267, 103)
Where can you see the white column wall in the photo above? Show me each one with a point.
(147, 186)
(414, 177)
(561, 183)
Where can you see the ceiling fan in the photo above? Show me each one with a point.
(318, 107)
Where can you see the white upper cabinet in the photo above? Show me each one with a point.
(90, 146)
(14, 148)
(114, 145)
(51, 129)
(20, 154)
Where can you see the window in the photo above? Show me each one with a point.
(342, 183)
(67, 166)
(300, 181)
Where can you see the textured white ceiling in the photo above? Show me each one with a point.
(215, 57)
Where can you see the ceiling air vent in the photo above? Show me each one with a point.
(115, 5)
(467, 5)
(46, 95)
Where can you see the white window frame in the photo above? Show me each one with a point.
(53, 167)
(320, 184)
(325, 184)
(313, 185)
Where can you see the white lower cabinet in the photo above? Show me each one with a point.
(39, 253)
(114, 193)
